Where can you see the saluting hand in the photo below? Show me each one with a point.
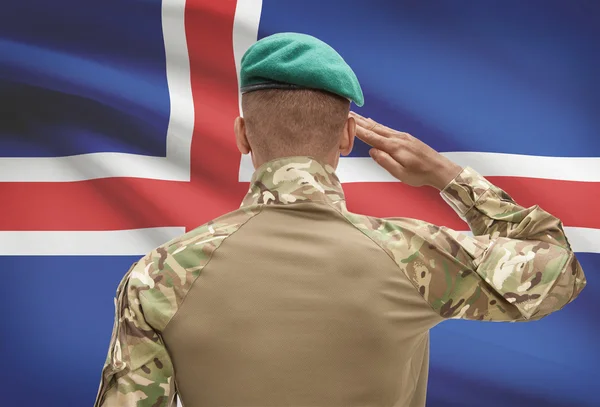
(404, 156)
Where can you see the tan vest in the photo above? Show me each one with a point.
(293, 300)
(299, 308)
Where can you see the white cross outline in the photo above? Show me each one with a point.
(175, 166)
(364, 169)
(177, 163)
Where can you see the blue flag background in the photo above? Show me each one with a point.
(512, 77)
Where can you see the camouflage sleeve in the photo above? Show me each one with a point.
(519, 266)
(527, 266)
(138, 370)
(490, 211)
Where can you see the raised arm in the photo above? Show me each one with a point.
(519, 265)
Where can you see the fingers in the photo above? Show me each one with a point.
(380, 129)
(373, 139)
(368, 124)
(372, 133)
(388, 163)
(372, 125)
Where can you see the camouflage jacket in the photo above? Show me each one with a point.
(517, 266)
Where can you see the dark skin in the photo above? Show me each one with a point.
(405, 157)
(344, 147)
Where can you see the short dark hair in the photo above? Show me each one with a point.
(286, 122)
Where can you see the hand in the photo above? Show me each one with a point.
(405, 157)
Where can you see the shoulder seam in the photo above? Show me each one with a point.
(207, 262)
(367, 236)
(391, 258)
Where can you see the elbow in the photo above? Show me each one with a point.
(576, 277)
(569, 284)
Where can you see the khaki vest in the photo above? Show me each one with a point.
(293, 300)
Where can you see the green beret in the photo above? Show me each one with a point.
(298, 61)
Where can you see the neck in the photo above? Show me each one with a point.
(294, 179)
(331, 159)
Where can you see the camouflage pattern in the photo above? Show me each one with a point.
(519, 266)
(294, 179)
(138, 370)
(501, 215)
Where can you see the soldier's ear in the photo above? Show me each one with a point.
(241, 140)
(348, 135)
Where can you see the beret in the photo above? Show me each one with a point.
(298, 61)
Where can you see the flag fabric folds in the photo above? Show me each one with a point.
(116, 135)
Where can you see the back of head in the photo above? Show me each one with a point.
(296, 94)
(289, 122)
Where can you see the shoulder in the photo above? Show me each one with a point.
(392, 235)
(417, 247)
(202, 240)
(386, 231)
(402, 238)
(162, 278)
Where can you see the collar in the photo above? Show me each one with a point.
(294, 179)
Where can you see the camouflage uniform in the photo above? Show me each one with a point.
(267, 323)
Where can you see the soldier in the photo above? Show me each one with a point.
(293, 300)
